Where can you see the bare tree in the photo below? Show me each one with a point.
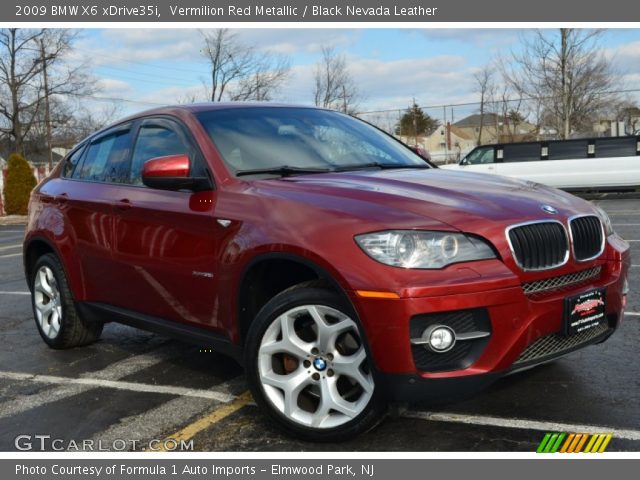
(334, 88)
(266, 76)
(79, 123)
(567, 72)
(510, 106)
(485, 86)
(239, 71)
(20, 67)
(25, 56)
(625, 110)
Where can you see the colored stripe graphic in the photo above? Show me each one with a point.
(559, 442)
(605, 443)
(567, 442)
(543, 443)
(581, 442)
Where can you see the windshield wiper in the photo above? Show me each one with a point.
(283, 171)
(382, 166)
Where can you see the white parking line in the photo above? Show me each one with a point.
(487, 421)
(9, 247)
(118, 385)
(11, 231)
(11, 255)
(114, 371)
(632, 314)
(15, 293)
(225, 397)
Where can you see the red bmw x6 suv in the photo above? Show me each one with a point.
(339, 267)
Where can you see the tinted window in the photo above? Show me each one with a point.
(71, 162)
(568, 150)
(480, 156)
(106, 159)
(154, 141)
(525, 152)
(259, 138)
(615, 147)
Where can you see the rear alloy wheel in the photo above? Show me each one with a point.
(58, 321)
(310, 368)
(47, 303)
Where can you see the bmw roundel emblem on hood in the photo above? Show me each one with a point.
(549, 209)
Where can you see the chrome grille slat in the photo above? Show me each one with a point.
(539, 245)
(555, 283)
(555, 344)
(587, 237)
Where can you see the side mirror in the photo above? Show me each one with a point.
(172, 173)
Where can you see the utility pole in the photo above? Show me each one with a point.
(344, 99)
(47, 118)
(446, 131)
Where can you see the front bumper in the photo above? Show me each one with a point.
(525, 329)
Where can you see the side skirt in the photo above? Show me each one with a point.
(201, 337)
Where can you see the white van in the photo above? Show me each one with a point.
(590, 163)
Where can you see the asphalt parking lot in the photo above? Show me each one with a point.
(132, 387)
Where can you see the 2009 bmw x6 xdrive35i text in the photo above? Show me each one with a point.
(341, 269)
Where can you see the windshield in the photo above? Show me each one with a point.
(304, 140)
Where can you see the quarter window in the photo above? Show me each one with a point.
(71, 162)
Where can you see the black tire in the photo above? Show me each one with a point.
(73, 331)
(301, 296)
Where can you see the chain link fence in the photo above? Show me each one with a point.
(461, 127)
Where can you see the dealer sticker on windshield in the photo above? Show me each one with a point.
(584, 312)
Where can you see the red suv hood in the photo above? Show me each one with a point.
(459, 199)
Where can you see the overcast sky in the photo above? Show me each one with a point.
(391, 66)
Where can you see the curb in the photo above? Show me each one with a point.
(608, 195)
(13, 220)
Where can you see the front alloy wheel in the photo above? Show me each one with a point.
(312, 370)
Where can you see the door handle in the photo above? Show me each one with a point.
(62, 198)
(123, 204)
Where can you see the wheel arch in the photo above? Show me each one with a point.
(38, 245)
(294, 269)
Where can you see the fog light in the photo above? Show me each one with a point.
(441, 339)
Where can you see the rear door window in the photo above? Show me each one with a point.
(106, 159)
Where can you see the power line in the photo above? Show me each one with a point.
(506, 100)
(146, 77)
(137, 62)
(116, 99)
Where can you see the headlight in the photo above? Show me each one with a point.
(423, 249)
(606, 222)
